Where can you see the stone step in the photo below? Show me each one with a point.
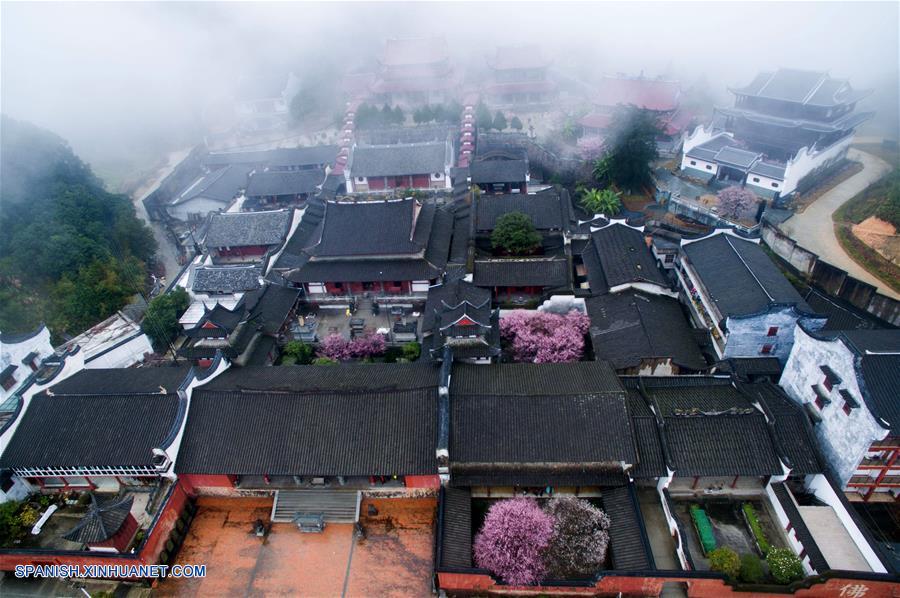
(336, 506)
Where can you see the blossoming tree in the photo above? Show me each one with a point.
(512, 541)
(580, 538)
(544, 337)
(338, 348)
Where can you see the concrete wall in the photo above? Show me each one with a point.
(830, 278)
(844, 439)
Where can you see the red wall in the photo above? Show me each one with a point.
(422, 481)
(149, 555)
(194, 481)
(612, 585)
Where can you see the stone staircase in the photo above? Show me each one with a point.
(336, 506)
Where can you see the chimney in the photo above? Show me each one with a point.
(417, 207)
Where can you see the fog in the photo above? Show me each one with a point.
(126, 82)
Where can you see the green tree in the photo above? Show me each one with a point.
(387, 115)
(515, 123)
(303, 103)
(453, 112)
(397, 117)
(515, 234)
(725, 560)
(601, 201)
(411, 351)
(419, 116)
(161, 319)
(499, 122)
(483, 119)
(632, 150)
(299, 351)
(324, 361)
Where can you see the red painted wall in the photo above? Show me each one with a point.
(422, 481)
(194, 481)
(149, 554)
(612, 585)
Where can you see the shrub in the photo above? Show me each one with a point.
(515, 234)
(784, 565)
(580, 538)
(756, 528)
(512, 541)
(412, 351)
(323, 361)
(725, 560)
(300, 351)
(28, 516)
(597, 201)
(704, 528)
(10, 524)
(751, 569)
(544, 337)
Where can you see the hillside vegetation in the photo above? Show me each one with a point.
(71, 253)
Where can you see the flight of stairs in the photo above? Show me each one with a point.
(336, 506)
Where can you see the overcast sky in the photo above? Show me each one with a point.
(117, 78)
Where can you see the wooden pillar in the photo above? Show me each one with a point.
(734, 483)
(694, 485)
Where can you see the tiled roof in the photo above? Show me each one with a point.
(276, 158)
(522, 272)
(544, 209)
(288, 182)
(456, 533)
(710, 427)
(371, 228)
(786, 500)
(769, 169)
(709, 149)
(737, 157)
(625, 257)
(629, 327)
(398, 160)
(118, 381)
(739, 276)
(448, 296)
(628, 546)
(815, 88)
(108, 430)
(221, 185)
(102, 521)
(498, 171)
(225, 279)
(351, 420)
(243, 229)
(539, 414)
(841, 314)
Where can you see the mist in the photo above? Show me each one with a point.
(124, 83)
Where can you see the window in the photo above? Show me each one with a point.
(766, 349)
(828, 384)
(693, 162)
(9, 382)
(708, 167)
(846, 408)
(756, 179)
(670, 258)
(775, 185)
(820, 403)
(773, 331)
(360, 179)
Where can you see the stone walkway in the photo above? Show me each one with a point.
(814, 228)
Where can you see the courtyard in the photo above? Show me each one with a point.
(394, 558)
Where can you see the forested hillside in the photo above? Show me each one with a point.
(71, 253)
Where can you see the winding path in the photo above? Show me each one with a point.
(814, 228)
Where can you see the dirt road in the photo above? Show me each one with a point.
(814, 228)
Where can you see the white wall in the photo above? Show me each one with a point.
(844, 439)
(122, 356)
(699, 165)
(765, 183)
(806, 161)
(14, 353)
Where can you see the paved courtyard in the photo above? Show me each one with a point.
(393, 560)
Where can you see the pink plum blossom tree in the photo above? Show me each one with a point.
(544, 337)
(512, 541)
(580, 538)
(338, 348)
(736, 201)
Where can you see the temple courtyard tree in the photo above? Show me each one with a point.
(512, 541)
(580, 538)
(515, 234)
(601, 201)
(630, 151)
(736, 201)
